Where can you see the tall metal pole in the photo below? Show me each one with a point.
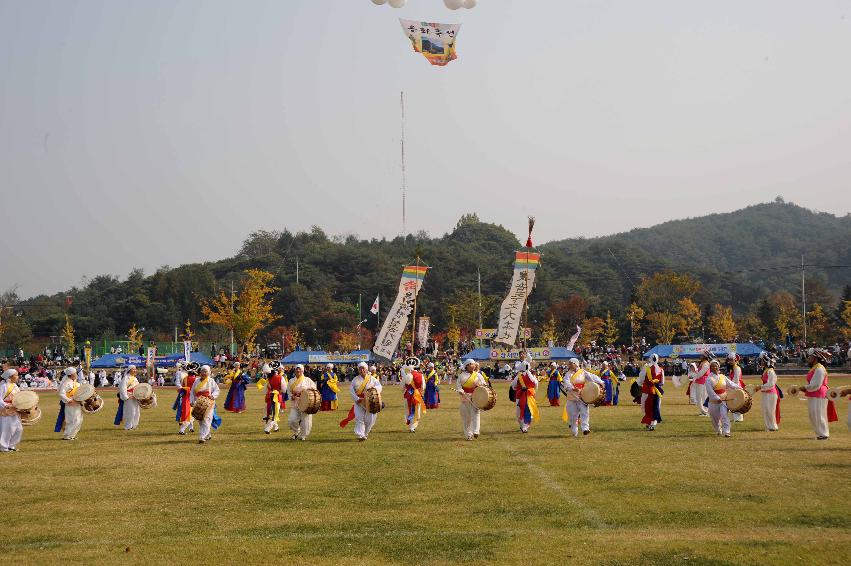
(404, 188)
(296, 270)
(231, 310)
(359, 318)
(803, 300)
(479, 275)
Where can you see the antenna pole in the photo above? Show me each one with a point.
(404, 187)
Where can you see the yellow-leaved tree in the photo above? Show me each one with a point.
(549, 331)
(245, 312)
(134, 339)
(721, 323)
(845, 317)
(690, 315)
(609, 333)
(68, 337)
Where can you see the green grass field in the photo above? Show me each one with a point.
(622, 495)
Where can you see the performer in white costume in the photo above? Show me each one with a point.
(300, 423)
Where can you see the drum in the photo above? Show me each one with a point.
(93, 404)
(26, 404)
(309, 401)
(84, 391)
(202, 406)
(738, 401)
(484, 398)
(592, 394)
(145, 395)
(372, 400)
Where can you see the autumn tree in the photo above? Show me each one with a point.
(721, 323)
(245, 312)
(610, 332)
(134, 339)
(549, 332)
(788, 317)
(635, 315)
(568, 313)
(68, 336)
(663, 325)
(690, 316)
(845, 319)
(591, 330)
(818, 325)
(663, 291)
(344, 341)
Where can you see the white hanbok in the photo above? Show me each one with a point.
(132, 410)
(578, 413)
(73, 409)
(718, 412)
(364, 420)
(300, 423)
(11, 428)
(206, 388)
(471, 416)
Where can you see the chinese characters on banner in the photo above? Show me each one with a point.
(525, 264)
(422, 331)
(435, 41)
(397, 319)
(187, 349)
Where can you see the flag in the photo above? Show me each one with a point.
(574, 338)
(374, 309)
(397, 319)
(436, 42)
(525, 264)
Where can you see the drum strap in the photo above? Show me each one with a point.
(11, 391)
(471, 381)
(296, 384)
(362, 387)
(73, 390)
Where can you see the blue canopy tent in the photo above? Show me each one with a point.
(555, 353)
(122, 360)
(321, 357)
(694, 351)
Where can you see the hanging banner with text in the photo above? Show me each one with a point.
(522, 282)
(397, 319)
(187, 349)
(422, 331)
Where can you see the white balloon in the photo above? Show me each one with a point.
(378, 2)
(397, 3)
(470, 4)
(453, 4)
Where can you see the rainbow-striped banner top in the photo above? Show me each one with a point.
(415, 272)
(526, 260)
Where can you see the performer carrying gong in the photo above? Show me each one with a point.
(11, 428)
(301, 421)
(770, 401)
(734, 371)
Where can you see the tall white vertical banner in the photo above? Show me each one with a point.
(522, 282)
(422, 331)
(187, 349)
(397, 318)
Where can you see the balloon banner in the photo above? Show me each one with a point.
(525, 264)
(436, 42)
(397, 319)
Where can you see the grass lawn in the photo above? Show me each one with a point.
(621, 495)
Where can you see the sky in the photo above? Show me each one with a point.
(144, 133)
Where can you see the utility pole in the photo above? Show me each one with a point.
(296, 270)
(231, 311)
(803, 300)
(479, 275)
(404, 189)
(359, 318)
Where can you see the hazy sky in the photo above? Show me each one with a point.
(140, 133)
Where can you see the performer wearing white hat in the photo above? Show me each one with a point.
(734, 373)
(575, 409)
(128, 409)
(651, 379)
(70, 411)
(716, 387)
(468, 380)
(205, 386)
(770, 401)
(11, 428)
(364, 420)
(821, 409)
(697, 386)
(300, 423)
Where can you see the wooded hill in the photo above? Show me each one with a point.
(739, 258)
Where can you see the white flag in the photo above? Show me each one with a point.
(374, 309)
(396, 318)
(522, 283)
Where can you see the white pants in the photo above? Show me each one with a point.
(205, 425)
(768, 404)
(519, 415)
(131, 414)
(719, 418)
(699, 392)
(364, 421)
(692, 392)
(187, 425)
(471, 418)
(73, 420)
(301, 423)
(578, 410)
(817, 409)
(11, 430)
